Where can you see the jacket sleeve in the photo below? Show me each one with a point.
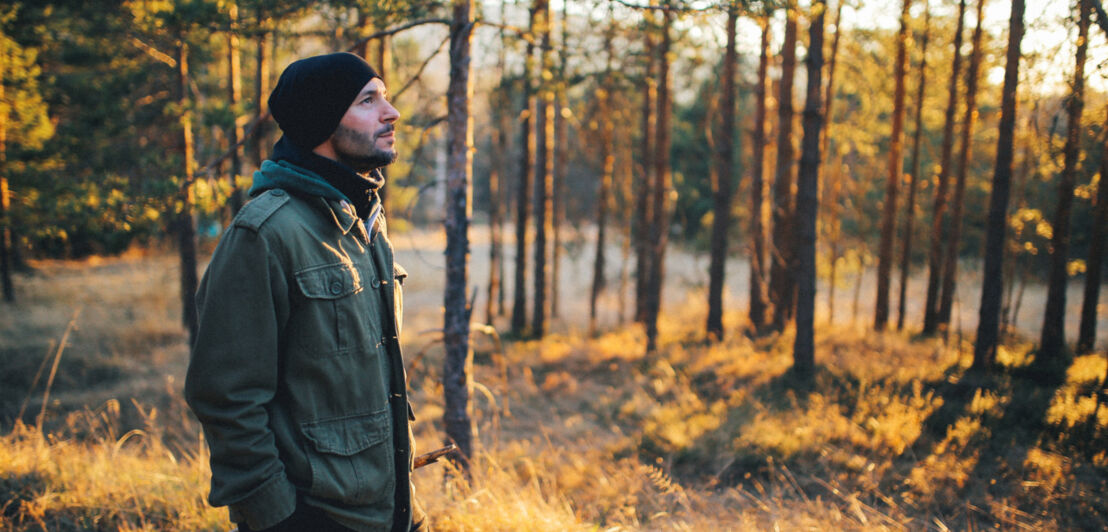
(242, 304)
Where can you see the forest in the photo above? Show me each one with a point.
(820, 263)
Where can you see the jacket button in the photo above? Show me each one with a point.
(278, 192)
(336, 288)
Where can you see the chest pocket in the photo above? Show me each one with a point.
(337, 314)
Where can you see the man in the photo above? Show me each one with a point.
(296, 372)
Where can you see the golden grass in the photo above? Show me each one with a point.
(582, 433)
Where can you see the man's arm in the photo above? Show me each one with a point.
(232, 376)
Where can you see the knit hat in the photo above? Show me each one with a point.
(313, 94)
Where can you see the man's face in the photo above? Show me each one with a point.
(365, 139)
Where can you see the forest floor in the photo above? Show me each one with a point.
(576, 432)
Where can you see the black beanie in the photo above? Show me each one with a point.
(313, 94)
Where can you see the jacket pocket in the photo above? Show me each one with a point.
(332, 319)
(351, 459)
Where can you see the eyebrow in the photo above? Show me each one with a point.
(374, 92)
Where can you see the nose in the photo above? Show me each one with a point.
(391, 114)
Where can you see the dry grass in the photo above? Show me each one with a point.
(578, 433)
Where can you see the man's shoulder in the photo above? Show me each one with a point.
(259, 210)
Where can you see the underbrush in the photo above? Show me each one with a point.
(577, 432)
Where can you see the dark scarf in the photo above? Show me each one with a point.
(359, 190)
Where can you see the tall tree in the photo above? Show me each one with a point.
(757, 188)
(913, 180)
(1086, 336)
(954, 234)
(832, 180)
(722, 181)
(938, 211)
(544, 174)
(495, 289)
(186, 225)
(234, 99)
(1052, 343)
(984, 347)
(526, 167)
(608, 163)
(560, 199)
(896, 166)
(644, 178)
(659, 227)
(781, 282)
(456, 419)
(262, 69)
(807, 201)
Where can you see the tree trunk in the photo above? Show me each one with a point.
(757, 190)
(261, 93)
(659, 234)
(186, 226)
(954, 236)
(896, 170)
(234, 97)
(560, 199)
(6, 243)
(807, 202)
(544, 178)
(781, 259)
(1094, 266)
(523, 203)
(913, 182)
(934, 255)
(645, 176)
(500, 142)
(721, 193)
(1053, 342)
(456, 419)
(608, 157)
(984, 348)
(832, 181)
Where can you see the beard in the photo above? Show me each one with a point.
(359, 150)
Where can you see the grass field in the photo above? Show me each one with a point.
(576, 433)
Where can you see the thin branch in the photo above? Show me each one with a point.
(398, 29)
(1101, 16)
(669, 8)
(154, 52)
(419, 72)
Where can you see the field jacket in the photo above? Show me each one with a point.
(296, 372)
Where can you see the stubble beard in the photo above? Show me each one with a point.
(359, 150)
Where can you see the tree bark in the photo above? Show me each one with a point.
(832, 181)
(781, 259)
(1053, 342)
(186, 225)
(645, 179)
(984, 347)
(757, 190)
(914, 178)
(659, 234)
(934, 255)
(6, 243)
(456, 419)
(560, 199)
(954, 236)
(544, 178)
(523, 203)
(721, 193)
(807, 202)
(896, 170)
(1094, 265)
(261, 92)
(608, 158)
(234, 97)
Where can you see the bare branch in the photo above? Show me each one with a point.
(398, 29)
(154, 52)
(421, 68)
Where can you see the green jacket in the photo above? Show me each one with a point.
(296, 372)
